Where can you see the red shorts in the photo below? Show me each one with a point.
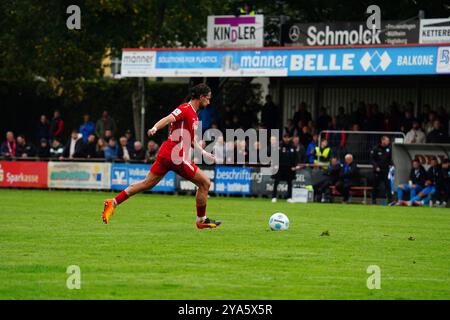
(161, 166)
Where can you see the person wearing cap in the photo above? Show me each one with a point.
(43, 150)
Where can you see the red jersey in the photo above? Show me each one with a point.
(181, 131)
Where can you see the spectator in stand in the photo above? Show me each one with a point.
(100, 148)
(423, 117)
(241, 152)
(56, 126)
(342, 119)
(230, 152)
(417, 177)
(354, 142)
(91, 147)
(299, 149)
(429, 125)
(377, 118)
(152, 150)
(331, 177)
(138, 153)
(437, 135)
(43, 128)
(302, 115)
(311, 149)
(105, 123)
(130, 139)
(348, 177)
(336, 139)
(219, 150)
(108, 135)
(415, 135)
(57, 149)
(43, 150)
(8, 148)
(111, 150)
(443, 116)
(124, 152)
(24, 149)
(290, 128)
(381, 158)
(269, 114)
(75, 148)
(323, 121)
(87, 127)
(305, 137)
(407, 121)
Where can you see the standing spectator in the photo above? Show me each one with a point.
(311, 149)
(407, 121)
(342, 119)
(57, 149)
(43, 150)
(429, 125)
(348, 177)
(323, 121)
(381, 158)
(437, 135)
(286, 170)
(269, 114)
(302, 115)
(417, 177)
(138, 153)
(152, 150)
(124, 152)
(91, 147)
(75, 147)
(305, 137)
(111, 150)
(56, 126)
(423, 117)
(415, 135)
(105, 123)
(43, 128)
(8, 148)
(299, 149)
(24, 149)
(87, 127)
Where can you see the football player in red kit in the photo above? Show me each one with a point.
(173, 155)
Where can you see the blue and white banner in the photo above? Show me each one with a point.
(285, 62)
(232, 180)
(124, 174)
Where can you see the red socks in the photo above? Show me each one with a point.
(201, 211)
(121, 197)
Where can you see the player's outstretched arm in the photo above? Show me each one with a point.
(161, 124)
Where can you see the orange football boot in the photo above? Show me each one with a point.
(108, 210)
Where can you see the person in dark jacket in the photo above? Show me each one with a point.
(8, 148)
(75, 147)
(445, 192)
(286, 169)
(437, 135)
(43, 150)
(56, 126)
(331, 177)
(91, 147)
(381, 158)
(417, 177)
(138, 153)
(349, 176)
(433, 181)
(43, 129)
(24, 149)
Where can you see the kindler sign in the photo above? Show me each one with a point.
(233, 31)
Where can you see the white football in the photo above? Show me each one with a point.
(279, 221)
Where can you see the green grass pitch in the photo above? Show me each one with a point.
(152, 250)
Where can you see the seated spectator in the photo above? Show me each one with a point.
(57, 149)
(87, 127)
(415, 135)
(290, 128)
(124, 152)
(111, 149)
(108, 135)
(91, 147)
(428, 126)
(152, 151)
(348, 177)
(100, 148)
(75, 147)
(138, 153)
(437, 135)
(416, 181)
(8, 148)
(24, 149)
(43, 129)
(130, 139)
(43, 150)
(331, 177)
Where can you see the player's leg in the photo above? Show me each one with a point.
(400, 189)
(203, 183)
